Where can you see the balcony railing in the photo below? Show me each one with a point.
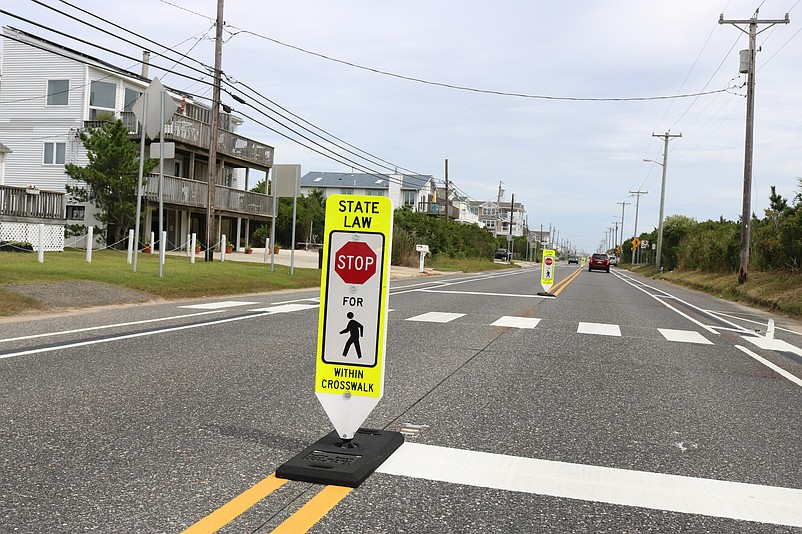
(438, 208)
(185, 192)
(31, 203)
(196, 133)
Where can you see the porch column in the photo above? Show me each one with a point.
(238, 234)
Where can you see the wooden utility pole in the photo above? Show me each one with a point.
(509, 239)
(447, 215)
(746, 214)
(218, 61)
(623, 205)
(636, 252)
(666, 138)
(498, 209)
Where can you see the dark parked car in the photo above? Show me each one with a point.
(502, 254)
(573, 259)
(599, 262)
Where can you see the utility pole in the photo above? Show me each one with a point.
(218, 61)
(615, 237)
(447, 217)
(509, 239)
(666, 138)
(498, 208)
(746, 214)
(637, 194)
(623, 205)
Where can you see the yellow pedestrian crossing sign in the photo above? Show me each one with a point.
(547, 269)
(354, 290)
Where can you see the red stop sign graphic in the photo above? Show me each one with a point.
(355, 262)
(549, 261)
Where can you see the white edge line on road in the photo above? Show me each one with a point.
(744, 319)
(796, 380)
(690, 495)
(128, 336)
(669, 306)
(106, 326)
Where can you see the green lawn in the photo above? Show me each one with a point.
(181, 279)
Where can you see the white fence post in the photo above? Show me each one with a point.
(223, 248)
(130, 246)
(41, 243)
(189, 242)
(193, 242)
(153, 242)
(89, 240)
(162, 252)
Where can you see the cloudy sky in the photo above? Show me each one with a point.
(557, 100)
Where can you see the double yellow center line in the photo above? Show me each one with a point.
(301, 521)
(564, 282)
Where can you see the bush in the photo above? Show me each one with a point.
(15, 246)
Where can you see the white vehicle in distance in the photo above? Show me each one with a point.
(613, 259)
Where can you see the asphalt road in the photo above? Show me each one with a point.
(620, 405)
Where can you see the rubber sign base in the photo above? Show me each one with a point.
(328, 461)
(545, 294)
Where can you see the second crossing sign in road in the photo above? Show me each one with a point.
(354, 287)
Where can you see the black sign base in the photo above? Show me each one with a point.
(332, 460)
(545, 294)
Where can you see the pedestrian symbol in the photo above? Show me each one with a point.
(355, 330)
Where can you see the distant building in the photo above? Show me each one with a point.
(495, 216)
(50, 93)
(417, 192)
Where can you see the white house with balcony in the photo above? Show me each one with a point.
(51, 93)
(495, 216)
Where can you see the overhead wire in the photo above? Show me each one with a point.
(473, 89)
(351, 162)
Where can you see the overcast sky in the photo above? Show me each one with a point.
(571, 162)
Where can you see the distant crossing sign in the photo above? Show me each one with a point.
(349, 370)
(547, 269)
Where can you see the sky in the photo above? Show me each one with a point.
(558, 101)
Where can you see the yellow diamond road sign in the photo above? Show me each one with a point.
(635, 242)
(349, 370)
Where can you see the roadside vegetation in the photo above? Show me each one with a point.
(776, 291)
(706, 256)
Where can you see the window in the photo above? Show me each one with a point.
(488, 211)
(409, 198)
(102, 97)
(58, 92)
(130, 98)
(374, 192)
(345, 191)
(55, 154)
(76, 213)
(490, 223)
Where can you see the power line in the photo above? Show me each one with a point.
(473, 89)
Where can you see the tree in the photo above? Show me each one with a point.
(110, 178)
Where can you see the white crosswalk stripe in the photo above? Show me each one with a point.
(436, 317)
(516, 322)
(599, 329)
(684, 336)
